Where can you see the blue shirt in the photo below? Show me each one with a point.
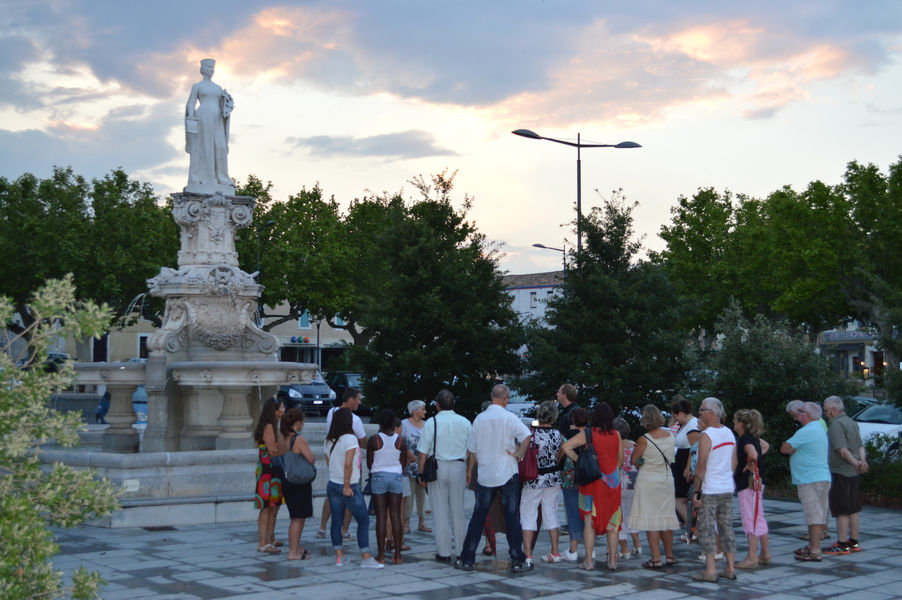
(808, 464)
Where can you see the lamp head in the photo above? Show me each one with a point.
(628, 145)
(527, 134)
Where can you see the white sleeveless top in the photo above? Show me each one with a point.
(387, 459)
(719, 472)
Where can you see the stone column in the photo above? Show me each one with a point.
(235, 421)
(120, 436)
(202, 407)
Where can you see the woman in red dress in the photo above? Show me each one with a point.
(599, 501)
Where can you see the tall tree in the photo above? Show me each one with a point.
(442, 317)
(615, 331)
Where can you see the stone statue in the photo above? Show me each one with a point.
(207, 135)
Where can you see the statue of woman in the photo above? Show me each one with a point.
(207, 133)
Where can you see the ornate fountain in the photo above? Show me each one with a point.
(210, 365)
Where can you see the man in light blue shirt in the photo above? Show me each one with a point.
(446, 435)
(807, 450)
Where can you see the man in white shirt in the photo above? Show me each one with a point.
(498, 441)
(446, 434)
(350, 400)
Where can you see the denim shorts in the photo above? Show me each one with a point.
(383, 482)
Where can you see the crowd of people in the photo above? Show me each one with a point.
(679, 476)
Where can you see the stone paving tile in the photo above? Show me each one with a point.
(210, 562)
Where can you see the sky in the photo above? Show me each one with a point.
(361, 96)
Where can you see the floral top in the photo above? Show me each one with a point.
(411, 435)
(549, 441)
(628, 478)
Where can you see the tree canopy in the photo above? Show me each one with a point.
(614, 331)
(111, 234)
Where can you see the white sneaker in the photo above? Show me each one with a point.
(718, 556)
(371, 563)
(569, 556)
(553, 558)
(528, 561)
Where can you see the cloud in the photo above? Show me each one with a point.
(401, 145)
(132, 138)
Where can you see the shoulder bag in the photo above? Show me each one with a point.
(587, 469)
(298, 470)
(430, 466)
(529, 465)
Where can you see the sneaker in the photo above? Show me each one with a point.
(371, 563)
(522, 567)
(552, 558)
(853, 545)
(528, 560)
(460, 564)
(837, 548)
(348, 535)
(637, 551)
(340, 562)
(718, 556)
(569, 556)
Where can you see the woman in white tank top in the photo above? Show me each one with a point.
(714, 480)
(386, 457)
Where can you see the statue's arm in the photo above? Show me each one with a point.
(192, 102)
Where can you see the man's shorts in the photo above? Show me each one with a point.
(814, 501)
(844, 498)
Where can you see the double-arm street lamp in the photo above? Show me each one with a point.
(579, 146)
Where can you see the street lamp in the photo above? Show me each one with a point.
(561, 250)
(579, 146)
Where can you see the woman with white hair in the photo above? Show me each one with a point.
(714, 481)
(411, 428)
(545, 490)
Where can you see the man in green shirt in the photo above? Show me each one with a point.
(847, 461)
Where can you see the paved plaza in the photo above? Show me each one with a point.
(221, 561)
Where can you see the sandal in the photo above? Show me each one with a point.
(809, 557)
(747, 563)
(269, 549)
(764, 560)
(403, 547)
(488, 551)
(320, 533)
(586, 566)
(304, 555)
(728, 575)
(422, 527)
(702, 576)
(652, 564)
(670, 561)
(611, 564)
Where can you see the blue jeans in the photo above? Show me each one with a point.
(510, 505)
(354, 503)
(571, 507)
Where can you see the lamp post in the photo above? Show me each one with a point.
(563, 252)
(579, 146)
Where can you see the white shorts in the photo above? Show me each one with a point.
(530, 499)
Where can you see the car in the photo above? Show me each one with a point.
(339, 381)
(52, 364)
(885, 419)
(523, 407)
(314, 398)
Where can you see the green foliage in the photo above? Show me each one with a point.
(111, 234)
(30, 498)
(429, 296)
(762, 364)
(615, 331)
(882, 483)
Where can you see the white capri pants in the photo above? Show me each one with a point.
(530, 499)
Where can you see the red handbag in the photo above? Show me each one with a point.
(529, 464)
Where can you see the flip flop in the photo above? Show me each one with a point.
(652, 564)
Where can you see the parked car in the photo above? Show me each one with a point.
(52, 364)
(339, 381)
(314, 398)
(883, 419)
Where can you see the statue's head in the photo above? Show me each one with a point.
(206, 66)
